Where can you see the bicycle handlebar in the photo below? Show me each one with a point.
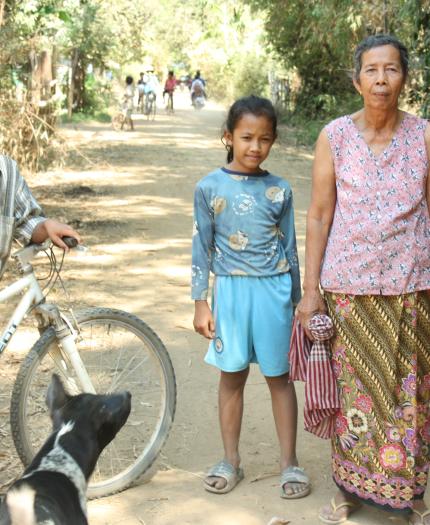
(70, 242)
(25, 255)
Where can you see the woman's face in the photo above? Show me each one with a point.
(381, 77)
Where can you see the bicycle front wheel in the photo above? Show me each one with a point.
(120, 352)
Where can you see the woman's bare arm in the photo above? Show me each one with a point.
(427, 139)
(319, 219)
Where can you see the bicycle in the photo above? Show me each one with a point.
(169, 105)
(150, 105)
(93, 350)
(120, 118)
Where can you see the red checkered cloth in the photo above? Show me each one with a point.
(310, 361)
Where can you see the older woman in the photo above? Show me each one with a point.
(368, 247)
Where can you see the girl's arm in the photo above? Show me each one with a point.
(288, 240)
(319, 219)
(203, 235)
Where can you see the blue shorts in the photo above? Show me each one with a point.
(253, 319)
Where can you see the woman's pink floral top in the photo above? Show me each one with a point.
(379, 242)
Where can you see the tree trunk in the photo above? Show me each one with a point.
(2, 6)
(41, 76)
(75, 99)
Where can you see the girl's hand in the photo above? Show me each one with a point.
(311, 303)
(203, 320)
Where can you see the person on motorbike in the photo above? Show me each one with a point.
(151, 86)
(198, 88)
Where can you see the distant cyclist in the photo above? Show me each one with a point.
(141, 89)
(152, 83)
(169, 88)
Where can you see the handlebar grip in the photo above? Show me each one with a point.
(70, 242)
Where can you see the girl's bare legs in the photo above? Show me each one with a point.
(284, 406)
(230, 407)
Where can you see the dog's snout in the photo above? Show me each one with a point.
(127, 395)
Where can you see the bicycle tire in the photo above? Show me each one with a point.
(148, 111)
(153, 110)
(152, 411)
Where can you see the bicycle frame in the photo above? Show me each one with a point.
(32, 296)
(66, 336)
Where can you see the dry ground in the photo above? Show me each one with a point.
(131, 198)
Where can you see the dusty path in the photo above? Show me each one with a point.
(134, 209)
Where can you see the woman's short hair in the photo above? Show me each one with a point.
(377, 41)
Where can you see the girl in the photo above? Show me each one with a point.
(244, 233)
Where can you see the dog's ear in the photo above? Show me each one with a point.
(56, 396)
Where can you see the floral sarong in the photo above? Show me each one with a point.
(381, 359)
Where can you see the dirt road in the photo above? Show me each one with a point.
(132, 200)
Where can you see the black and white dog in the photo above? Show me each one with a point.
(52, 490)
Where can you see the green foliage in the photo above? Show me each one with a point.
(306, 130)
(317, 39)
(250, 76)
(98, 95)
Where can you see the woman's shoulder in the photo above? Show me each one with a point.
(414, 120)
(338, 124)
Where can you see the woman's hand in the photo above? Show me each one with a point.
(311, 303)
(203, 320)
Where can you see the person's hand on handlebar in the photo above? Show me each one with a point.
(54, 230)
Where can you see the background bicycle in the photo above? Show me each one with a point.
(95, 349)
(169, 104)
(150, 105)
(119, 118)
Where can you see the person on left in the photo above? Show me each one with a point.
(21, 217)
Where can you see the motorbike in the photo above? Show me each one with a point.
(199, 102)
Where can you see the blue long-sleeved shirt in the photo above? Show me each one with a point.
(243, 225)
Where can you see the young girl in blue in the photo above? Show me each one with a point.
(244, 233)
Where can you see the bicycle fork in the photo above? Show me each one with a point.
(66, 336)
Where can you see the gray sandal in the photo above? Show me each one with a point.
(224, 470)
(293, 474)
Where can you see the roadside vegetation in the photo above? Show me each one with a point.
(66, 59)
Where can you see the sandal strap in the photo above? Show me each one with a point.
(294, 474)
(422, 515)
(223, 469)
(335, 507)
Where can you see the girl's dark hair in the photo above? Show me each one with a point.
(128, 80)
(376, 41)
(258, 106)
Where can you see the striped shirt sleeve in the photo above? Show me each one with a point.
(28, 214)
